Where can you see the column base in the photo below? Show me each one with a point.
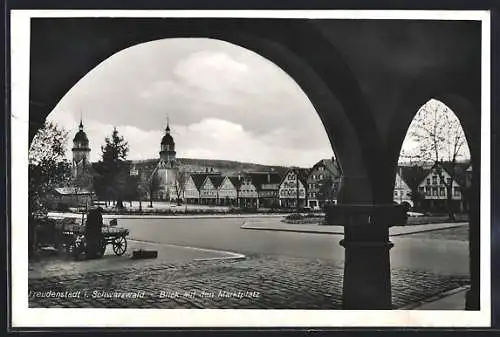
(472, 300)
(367, 276)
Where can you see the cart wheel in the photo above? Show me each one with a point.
(120, 245)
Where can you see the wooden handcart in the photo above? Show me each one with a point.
(111, 235)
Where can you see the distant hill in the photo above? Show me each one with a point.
(225, 167)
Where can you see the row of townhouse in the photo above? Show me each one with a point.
(433, 186)
(307, 187)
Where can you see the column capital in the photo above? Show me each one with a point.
(366, 214)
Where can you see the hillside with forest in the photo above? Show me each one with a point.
(225, 167)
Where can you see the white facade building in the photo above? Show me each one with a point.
(402, 192)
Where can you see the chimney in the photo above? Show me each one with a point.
(268, 178)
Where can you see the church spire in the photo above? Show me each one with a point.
(81, 121)
(168, 125)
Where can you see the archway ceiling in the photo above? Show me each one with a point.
(384, 56)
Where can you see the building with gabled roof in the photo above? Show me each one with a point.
(248, 195)
(193, 186)
(441, 180)
(323, 183)
(293, 188)
(267, 185)
(209, 189)
(70, 196)
(229, 190)
(402, 191)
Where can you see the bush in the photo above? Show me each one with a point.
(294, 216)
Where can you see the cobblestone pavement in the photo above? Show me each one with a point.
(63, 263)
(257, 282)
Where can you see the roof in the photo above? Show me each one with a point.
(81, 137)
(330, 165)
(216, 180)
(302, 173)
(413, 175)
(145, 168)
(458, 170)
(263, 178)
(167, 139)
(235, 181)
(199, 178)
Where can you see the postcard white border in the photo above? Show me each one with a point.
(22, 316)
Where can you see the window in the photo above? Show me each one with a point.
(428, 181)
(434, 180)
(434, 192)
(448, 181)
(427, 190)
(456, 191)
(395, 193)
(421, 189)
(441, 191)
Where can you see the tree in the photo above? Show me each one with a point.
(132, 189)
(47, 165)
(153, 186)
(111, 183)
(180, 184)
(438, 139)
(47, 169)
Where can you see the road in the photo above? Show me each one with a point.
(290, 269)
(409, 252)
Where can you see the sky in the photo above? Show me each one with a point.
(222, 101)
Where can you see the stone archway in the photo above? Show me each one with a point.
(300, 58)
(345, 93)
(460, 92)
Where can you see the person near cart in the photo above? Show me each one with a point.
(93, 233)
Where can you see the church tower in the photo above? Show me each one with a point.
(81, 152)
(167, 167)
(167, 153)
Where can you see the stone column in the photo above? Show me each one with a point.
(367, 273)
(472, 296)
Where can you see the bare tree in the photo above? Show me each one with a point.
(436, 137)
(180, 184)
(153, 185)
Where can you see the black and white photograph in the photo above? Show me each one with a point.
(328, 167)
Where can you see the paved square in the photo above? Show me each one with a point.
(260, 282)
